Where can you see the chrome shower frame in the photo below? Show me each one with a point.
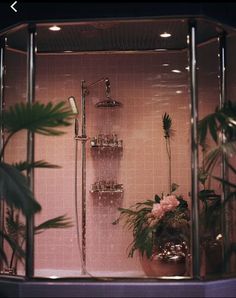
(3, 44)
(83, 138)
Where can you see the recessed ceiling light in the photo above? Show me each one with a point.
(176, 70)
(187, 39)
(165, 35)
(160, 50)
(55, 28)
(187, 67)
(165, 64)
(178, 92)
(68, 51)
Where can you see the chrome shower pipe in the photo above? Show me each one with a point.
(104, 79)
(83, 138)
(31, 53)
(3, 44)
(224, 170)
(83, 173)
(194, 150)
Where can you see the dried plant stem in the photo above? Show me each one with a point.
(168, 150)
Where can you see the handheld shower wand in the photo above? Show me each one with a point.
(107, 86)
(75, 111)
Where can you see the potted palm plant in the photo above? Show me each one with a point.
(220, 126)
(160, 226)
(38, 118)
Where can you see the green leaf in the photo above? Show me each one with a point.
(207, 193)
(213, 128)
(174, 186)
(36, 118)
(225, 182)
(212, 158)
(231, 167)
(15, 190)
(3, 256)
(202, 131)
(166, 124)
(157, 198)
(25, 166)
(54, 223)
(14, 246)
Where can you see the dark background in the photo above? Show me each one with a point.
(223, 11)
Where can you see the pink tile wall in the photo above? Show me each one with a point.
(147, 90)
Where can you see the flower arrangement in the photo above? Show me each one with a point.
(160, 226)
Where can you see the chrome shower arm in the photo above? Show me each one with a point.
(85, 88)
(98, 81)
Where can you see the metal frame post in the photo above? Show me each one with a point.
(224, 170)
(194, 151)
(3, 43)
(31, 53)
(83, 174)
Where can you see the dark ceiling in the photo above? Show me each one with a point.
(224, 11)
(114, 35)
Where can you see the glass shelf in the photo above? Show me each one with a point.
(109, 146)
(106, 187)
(107, 191)
(106, 142)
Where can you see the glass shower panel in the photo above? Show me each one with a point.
(56, 251)
(231, 91)
(15, 92)
(126, 157)
(148, 88)
(210, 189)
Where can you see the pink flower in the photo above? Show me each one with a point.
(169, 203)
(157, 210)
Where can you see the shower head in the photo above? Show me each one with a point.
(108, 103)
(73, 105)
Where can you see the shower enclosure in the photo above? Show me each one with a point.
(120, 76)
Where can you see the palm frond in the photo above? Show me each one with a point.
(225, 182)
(14, 227)
(37, 118)
(3, 256)
(25, 166)
(223, 119)
(208, 123)
(14, 246)
(233, 169)
(54, 223)
(214, 155)
(15, 190)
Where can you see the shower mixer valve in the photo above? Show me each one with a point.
(82, 138)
